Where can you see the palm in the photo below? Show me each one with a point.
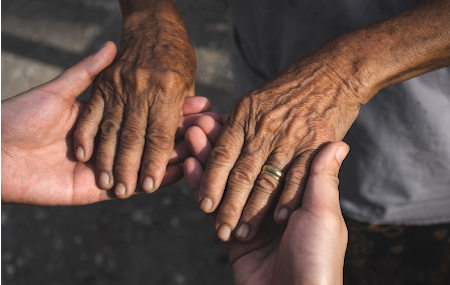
(38, 162)
(310, 248)
(43, 129)
(253, 262)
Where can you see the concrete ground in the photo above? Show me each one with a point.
(161, 238)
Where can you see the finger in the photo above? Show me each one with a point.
(76, 79)
(193, 171)
(198, 144)
(195, 105)
(321, 190)
(240, 184)
(294, 186)
(87, 127)
(107, 145)
(210, 122)
(131, 147)
(173, 174)
(159, 142)
(221, 161)
(264, 192)
(180, 152)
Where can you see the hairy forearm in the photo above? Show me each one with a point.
(407, 45)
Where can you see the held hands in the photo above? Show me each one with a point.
(311, 248)
(283, 123)
(136, 103)
(38, 164)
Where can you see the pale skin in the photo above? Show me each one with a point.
(38, 164)
(135, 106)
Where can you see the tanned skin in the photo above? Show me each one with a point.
(136, 103)
(314, 101)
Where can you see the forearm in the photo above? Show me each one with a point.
(154, 36)
(407, 45)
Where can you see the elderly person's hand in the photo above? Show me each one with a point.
(283, 123)
(311, 249)
(136, 103)
(38, 165)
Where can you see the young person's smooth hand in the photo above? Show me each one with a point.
(38, 164)
(311, 248)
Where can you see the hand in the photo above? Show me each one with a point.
(283, 124)
(38, 165)
(137, 101)
(311, 249)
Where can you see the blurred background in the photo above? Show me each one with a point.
(161, 238)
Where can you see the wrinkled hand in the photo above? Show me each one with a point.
(283, 124)
(38, 165)
(137, 101)
(311, 248)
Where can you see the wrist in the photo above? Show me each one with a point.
(407, 45)
(155, 33)
(354, 66)
(150, 19)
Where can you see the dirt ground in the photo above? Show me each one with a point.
(161, 238)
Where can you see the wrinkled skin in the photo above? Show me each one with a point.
(312, 102)
(311, 248)
(136, 103)
(38, 164)
(283, 123)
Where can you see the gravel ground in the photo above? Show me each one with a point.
(155, 239)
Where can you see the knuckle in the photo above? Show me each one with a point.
(253, 149)
(221, 155)
(116, 76)
(266, 186)
(267, 124)
(228, 212)
(240, 112)
(110, 127)
(169, 80)
(241, 175)
(130, 138)
(206, 121)
(159, 138)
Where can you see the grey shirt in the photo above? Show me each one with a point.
(398, 169)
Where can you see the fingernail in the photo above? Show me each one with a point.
(224, 232)
(282, 214)
(120, 189)
(104, 179)
(341, 153)
(80, 153)
(148, 184)
(243, 231)
(206, 204)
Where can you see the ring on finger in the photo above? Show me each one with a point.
(273, 171)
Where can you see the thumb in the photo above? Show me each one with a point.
(321, 192)
(76, 79)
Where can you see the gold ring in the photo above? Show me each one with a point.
(272, 171)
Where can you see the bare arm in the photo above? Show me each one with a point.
(285, 121)
(407, 45)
